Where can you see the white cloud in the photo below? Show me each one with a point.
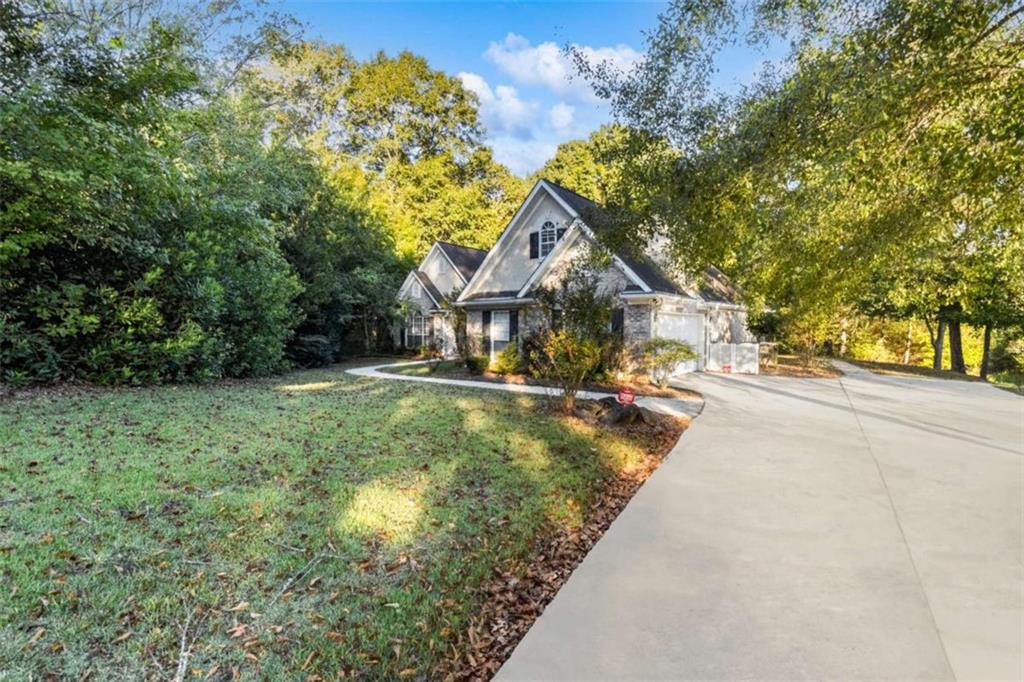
(522, 157)
(561, 116)
(501, 109)
(546, 65)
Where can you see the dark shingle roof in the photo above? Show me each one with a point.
(598, 220)
(579, 203)
(651, 274)
(429, 286)
(717, 288)
(508, 293)
(465, 258)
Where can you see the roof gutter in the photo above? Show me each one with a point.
(504, 301)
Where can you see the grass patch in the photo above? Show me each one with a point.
(895, 369)
(318, 523)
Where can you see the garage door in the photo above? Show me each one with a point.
(684, 327)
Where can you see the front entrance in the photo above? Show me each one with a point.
(500, 332)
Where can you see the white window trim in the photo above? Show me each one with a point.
(548, 238)
(508, 330)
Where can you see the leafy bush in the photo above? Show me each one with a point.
(570, 360)
(477, 364)
(149, 233)
(584, 347)
(311, 350)
(662, 356)
(508, 361)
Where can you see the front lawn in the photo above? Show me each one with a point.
(316, 524)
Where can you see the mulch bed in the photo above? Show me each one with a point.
(517, 595)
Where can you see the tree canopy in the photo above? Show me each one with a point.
(191, 193)
(883, 154)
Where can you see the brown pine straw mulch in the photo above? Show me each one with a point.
(517, 595)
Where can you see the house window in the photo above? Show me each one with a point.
(548, 237)
(418, 325)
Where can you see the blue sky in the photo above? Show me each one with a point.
(509, 54)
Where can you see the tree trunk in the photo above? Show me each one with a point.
(937, 344)
(956, 348)
(906, 347)
(842, 339)
(984, 353)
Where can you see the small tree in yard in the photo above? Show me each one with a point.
(662, 356)
(570, 361)
(577, 350)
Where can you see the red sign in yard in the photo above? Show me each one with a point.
(627, 396)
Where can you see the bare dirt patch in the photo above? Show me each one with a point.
(794, 366)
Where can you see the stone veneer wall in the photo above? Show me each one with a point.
(636, 328)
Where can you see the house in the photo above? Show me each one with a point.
(554, 225)
(428, 293)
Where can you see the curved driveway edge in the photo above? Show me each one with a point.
(675, 407)
(866, 528)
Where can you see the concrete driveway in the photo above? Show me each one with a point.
(868, 528)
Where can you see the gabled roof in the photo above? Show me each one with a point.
(435, 295)
(595, 220)
(578, 202)
(466, 259)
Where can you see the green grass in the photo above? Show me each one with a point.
(897, 369)
(316, 523)
(439, 368)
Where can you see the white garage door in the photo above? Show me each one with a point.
(684, 327)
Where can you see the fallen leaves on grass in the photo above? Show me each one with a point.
(517, 595)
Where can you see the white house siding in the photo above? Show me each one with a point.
(509, 265)
(440, 271)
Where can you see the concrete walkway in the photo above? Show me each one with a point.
(670, 406)
(868, 528)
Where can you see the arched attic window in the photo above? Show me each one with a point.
(542, 242)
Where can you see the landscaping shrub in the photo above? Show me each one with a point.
(570, 360)
(508, 361)
(584, 347)
(477, 364)
(662, 356)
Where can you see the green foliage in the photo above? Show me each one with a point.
(582, 347)
(148, 233)
(570, 360)
(477, 364)
(508, 360)
(153, 503)
(661, 356)
(410, 132)
(882, 159)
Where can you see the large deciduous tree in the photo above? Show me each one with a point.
(413, 131)
(889, 138)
